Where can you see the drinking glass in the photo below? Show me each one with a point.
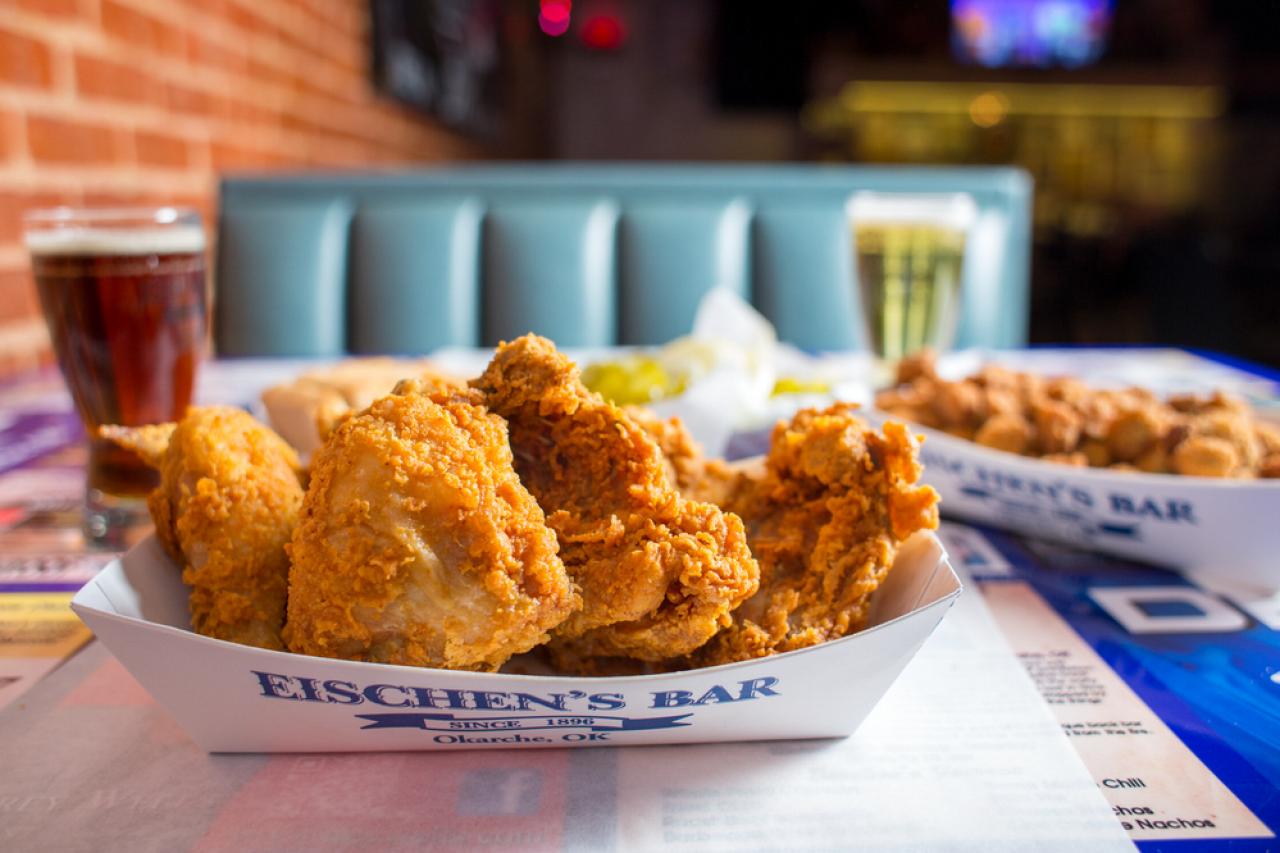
(123, 294)
(910, 255)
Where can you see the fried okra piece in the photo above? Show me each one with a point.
(1205, 456)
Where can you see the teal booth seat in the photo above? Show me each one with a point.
(587, 255)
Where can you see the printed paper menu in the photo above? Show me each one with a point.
(1157, 787)
(37, 632)
(1165, 685)
(961, 753)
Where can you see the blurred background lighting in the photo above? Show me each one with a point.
(988, 109)
(1037, 33)
(553, 16)
(553, 27)
(603, 32)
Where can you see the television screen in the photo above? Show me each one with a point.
(1037, 33)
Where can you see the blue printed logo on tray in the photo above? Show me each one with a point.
(1066, 508)
(544, 713)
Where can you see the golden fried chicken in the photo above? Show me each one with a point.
(305, 410)
(419, 545)
(659, 573)
(228, 500)
(696, 476)
(825, 521)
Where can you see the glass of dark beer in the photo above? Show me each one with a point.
(123, 293)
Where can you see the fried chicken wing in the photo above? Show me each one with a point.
(419, 545)
(824, 521)
(659, 573)
(228, 500)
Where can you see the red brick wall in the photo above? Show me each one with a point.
(146, 101)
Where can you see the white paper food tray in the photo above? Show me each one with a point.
(233, 698)
(1218, 527)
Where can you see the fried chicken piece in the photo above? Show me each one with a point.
(1269, 468)
(923, 363)
(1096, 453)
(1205, 456)
(1234, 426)
(1098, 411)
(959, 405)
(228, 500)
(148, 442)
(1058, 426)
(1075, 459)
(1197, 404)
(825, 522)
(696, 476)
(1010, 433)
(1154, 460)
(1133, 433)
(1268, 436)
(305, 410)
(914, 402)
(420, 546)
(1066, 389)
(659, 573)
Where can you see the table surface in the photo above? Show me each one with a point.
(970, 748)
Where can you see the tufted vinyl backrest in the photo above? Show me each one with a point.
(587, 255)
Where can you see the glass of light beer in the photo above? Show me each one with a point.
(123, 294)
(910, 254)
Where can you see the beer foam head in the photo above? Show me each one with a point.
(948, 210)
(122, 242)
